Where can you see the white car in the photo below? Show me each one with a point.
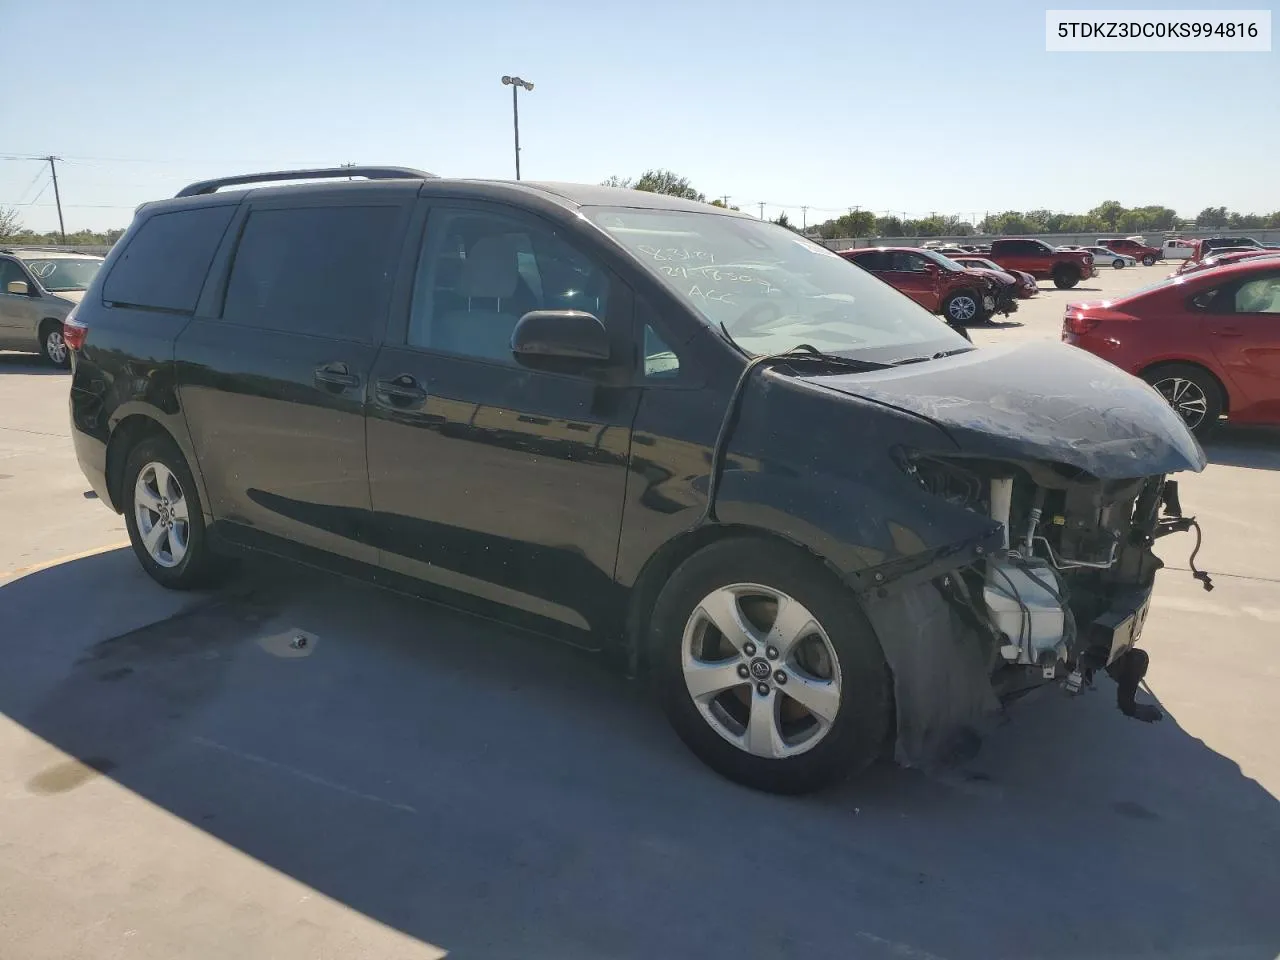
(1101, 255)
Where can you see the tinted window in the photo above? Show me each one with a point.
(324, 271)
(10, 271)
(1018, 246)
(909, 262)
(876, 260)
(164, 263)
(479, 273)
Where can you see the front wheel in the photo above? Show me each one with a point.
(1149, 260)
(1065, 277)
(1192, 392)
(1118, 263)
(52, 347)
(963, 308)
(767, 668)
(162, 513)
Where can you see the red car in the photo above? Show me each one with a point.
(937, 283)
(1144, 253)
(1025, 284)
(1209, 342)
(1229, 255)
(1065, 268)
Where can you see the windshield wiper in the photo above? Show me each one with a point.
(806, 351)
(937, 356)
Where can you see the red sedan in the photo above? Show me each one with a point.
(1209, 342)
(1229, 255)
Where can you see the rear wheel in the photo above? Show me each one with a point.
(162, 513)
(1149, 260)
(1193, 393)
(1065, 276)
(767, 668)
(52, 347)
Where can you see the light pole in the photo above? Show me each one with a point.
(515, 83)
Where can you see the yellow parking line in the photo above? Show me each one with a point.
(37, 567)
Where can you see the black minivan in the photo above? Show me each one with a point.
(817, 518)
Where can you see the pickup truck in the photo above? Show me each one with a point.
(1065, 268)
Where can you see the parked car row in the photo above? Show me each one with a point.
(939, 284)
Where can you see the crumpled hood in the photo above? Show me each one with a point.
(1039, 401)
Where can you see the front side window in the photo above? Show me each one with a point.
(479, 273)
(324, 271)
(9, 272)
(65, 274)
(1261, 295)
(771, 289)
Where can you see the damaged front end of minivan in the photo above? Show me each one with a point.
(1067, 486)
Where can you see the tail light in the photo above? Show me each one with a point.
(74, 331)
(1079, 324)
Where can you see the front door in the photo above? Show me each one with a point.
(274, 385)
(491, 482)
(1245, 337)
(916, 276)
(18, 311)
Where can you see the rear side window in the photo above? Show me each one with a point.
(164, 265)
(324, 271)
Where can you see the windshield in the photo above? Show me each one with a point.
(772, 289)
(62, 275)
(942, 260)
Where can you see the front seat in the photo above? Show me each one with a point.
(490, 280)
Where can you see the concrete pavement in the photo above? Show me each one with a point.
(176, 783)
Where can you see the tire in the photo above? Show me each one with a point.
(1118, 263)
(1065, 276)
(52, 347)
(963, 307)
(837, 665)
(1192, 391)
(179, 558)
(1149, 260)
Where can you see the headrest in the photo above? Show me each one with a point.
(490, 269)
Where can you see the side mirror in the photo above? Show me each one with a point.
(18, 288)
(560, 341)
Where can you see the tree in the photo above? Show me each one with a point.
(784, 221)
(889, 227)
(1107, 214)
(10, 222)
(665, 181)
(616, 181)
(1212, 217)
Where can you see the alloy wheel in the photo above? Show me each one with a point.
(1186, 397)
(55, 347)
(761, 670)
(962, 308)
(160, 509)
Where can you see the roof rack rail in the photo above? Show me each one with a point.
(323, 173)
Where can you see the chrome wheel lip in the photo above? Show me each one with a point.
(761, 735)
(55, 347)
(963, 307)
(161, 515)
(1186, 398)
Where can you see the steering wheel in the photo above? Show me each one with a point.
(753, 317)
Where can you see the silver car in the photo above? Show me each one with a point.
(37, 291)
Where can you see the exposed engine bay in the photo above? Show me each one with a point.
(1063, 597)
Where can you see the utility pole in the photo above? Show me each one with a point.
(57, 197)
(515, 83)
(761, 209)
(804, 219)
(725, 200)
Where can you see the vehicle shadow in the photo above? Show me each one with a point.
(499, 796)
(1245, 446)
(1002, 324)
(28, 364)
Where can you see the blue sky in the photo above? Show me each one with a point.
(915, 107)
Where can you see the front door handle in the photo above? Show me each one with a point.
(336, 375)
(401, 392)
